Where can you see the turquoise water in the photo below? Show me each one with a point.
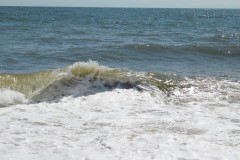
(186, 42)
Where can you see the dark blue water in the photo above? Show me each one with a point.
(188, 42)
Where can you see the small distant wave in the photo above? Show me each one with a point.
(117, 22)
(221, 51)
(148, 47)
(137, 34)
(232, 50)
(12, 18)
(225, 37)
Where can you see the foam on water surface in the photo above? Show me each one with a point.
(9, 97)
(121, 124)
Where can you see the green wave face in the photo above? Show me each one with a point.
(28, 84)
(32, 84)
(86, 78)
(101, 72)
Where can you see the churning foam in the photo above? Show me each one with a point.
(121, 124)
(9, 97)
(94, 112)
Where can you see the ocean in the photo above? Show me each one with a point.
(119, 83)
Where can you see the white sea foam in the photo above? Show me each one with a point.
(9, 97)
(122, 124)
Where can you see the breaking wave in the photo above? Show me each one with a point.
(86, 78)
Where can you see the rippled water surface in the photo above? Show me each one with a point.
(183, 41)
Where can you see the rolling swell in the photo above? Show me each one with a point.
(231, 50)
(228, 51)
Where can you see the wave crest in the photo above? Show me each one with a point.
(87, 68)
(87, 78)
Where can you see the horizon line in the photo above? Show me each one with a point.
(116, 7)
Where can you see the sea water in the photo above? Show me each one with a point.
(112, 83)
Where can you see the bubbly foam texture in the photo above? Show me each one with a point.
(95, 112)
(209, 90)
(9, 97)
(120, 124)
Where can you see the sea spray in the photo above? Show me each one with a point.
(84, 78)
(9, 97)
